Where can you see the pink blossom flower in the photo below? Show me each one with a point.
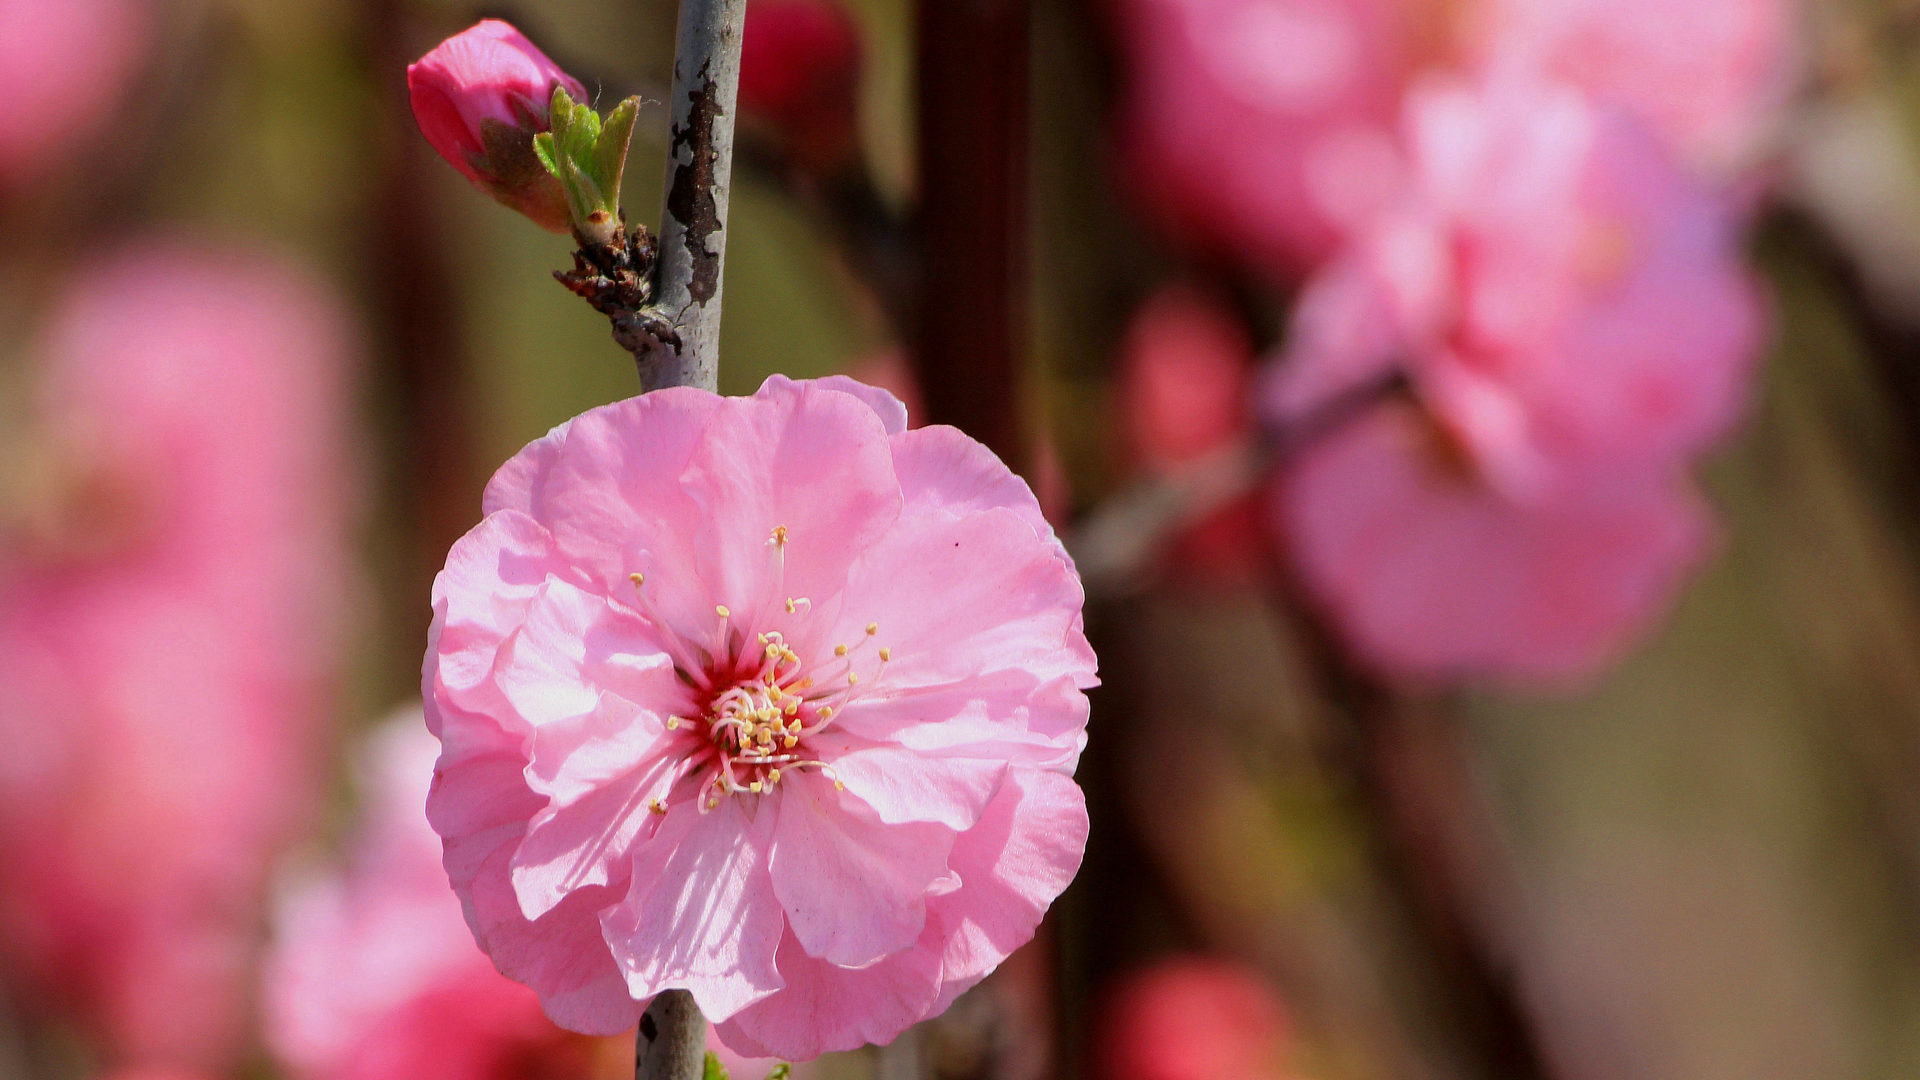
(1182, 380)
(172, 561)
(1433, 575)
(1563, 297)
(1263, 128)
(766, 698)
(1710, 75)
(63, 67)
(1192, 1018)
(1574, 324)
(480, 97)
(800, 78)
(374, 975)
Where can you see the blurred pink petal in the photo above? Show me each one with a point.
(1560, 294)
(1430, 573)
(169, 616)
(64, 65)
(1192, 1018)
(480, 97)
(1711, 75)
(374, 975)
(1263, 127)
(1184, 366)
(800, 78)
(645, 663)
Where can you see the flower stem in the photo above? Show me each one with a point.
(693, 236)
(673, 1039)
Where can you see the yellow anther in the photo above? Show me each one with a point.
(773, 776)
(721, 610)
(711, 803)
(754, 787)
(789, 605)
(873, 628)
(654, 805)
(672, 722)
(790, 656)
(853, 677)
(826, 712)
(790, 741)
(806, 683)
(837, 785)
(773, 651)
(839, 650)
(886, 654)
(779, 537)
(792, 706)
(637, 578)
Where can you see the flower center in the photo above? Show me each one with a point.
(763, 701)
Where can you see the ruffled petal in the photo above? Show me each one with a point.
(826, 1008)
(957, 597)
(814, 461)
(701, 914)
(854, 888)
(602, 774)
(1013, 864)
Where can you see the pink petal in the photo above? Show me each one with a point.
(601, 773)
(825, 1008)
(574, 646)
(900, 785)
(1430, 574)
(612, 497)
(1008, 716)
(891, 411)
(794, 455)
(943, 469)
(1021, 855)
(854, 889)
(956, 597)
(701, 914)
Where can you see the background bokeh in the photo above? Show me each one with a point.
(260, 349)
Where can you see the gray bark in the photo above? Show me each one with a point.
(693, 236)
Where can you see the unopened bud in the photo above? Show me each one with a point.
(480, 97)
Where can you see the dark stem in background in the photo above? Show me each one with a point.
(971, 326)
(1439, 852)
(416, 317)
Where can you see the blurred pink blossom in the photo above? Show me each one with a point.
(1183, 373)
(1710, 75)
(172, 563)
(1572, 318)
(1192, 1018)
(64, 65)
(1263, 128)
(480, 97)
(800, 78)
(1431, 574)
(1561, 295)
(767, 698)
(374, 975)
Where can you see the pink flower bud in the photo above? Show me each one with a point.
(480, 97)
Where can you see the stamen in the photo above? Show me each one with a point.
(637, 578)
(839, 650)
(873, 628)
(886, 653)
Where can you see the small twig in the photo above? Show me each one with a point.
(693, 237)
(1113, 545)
